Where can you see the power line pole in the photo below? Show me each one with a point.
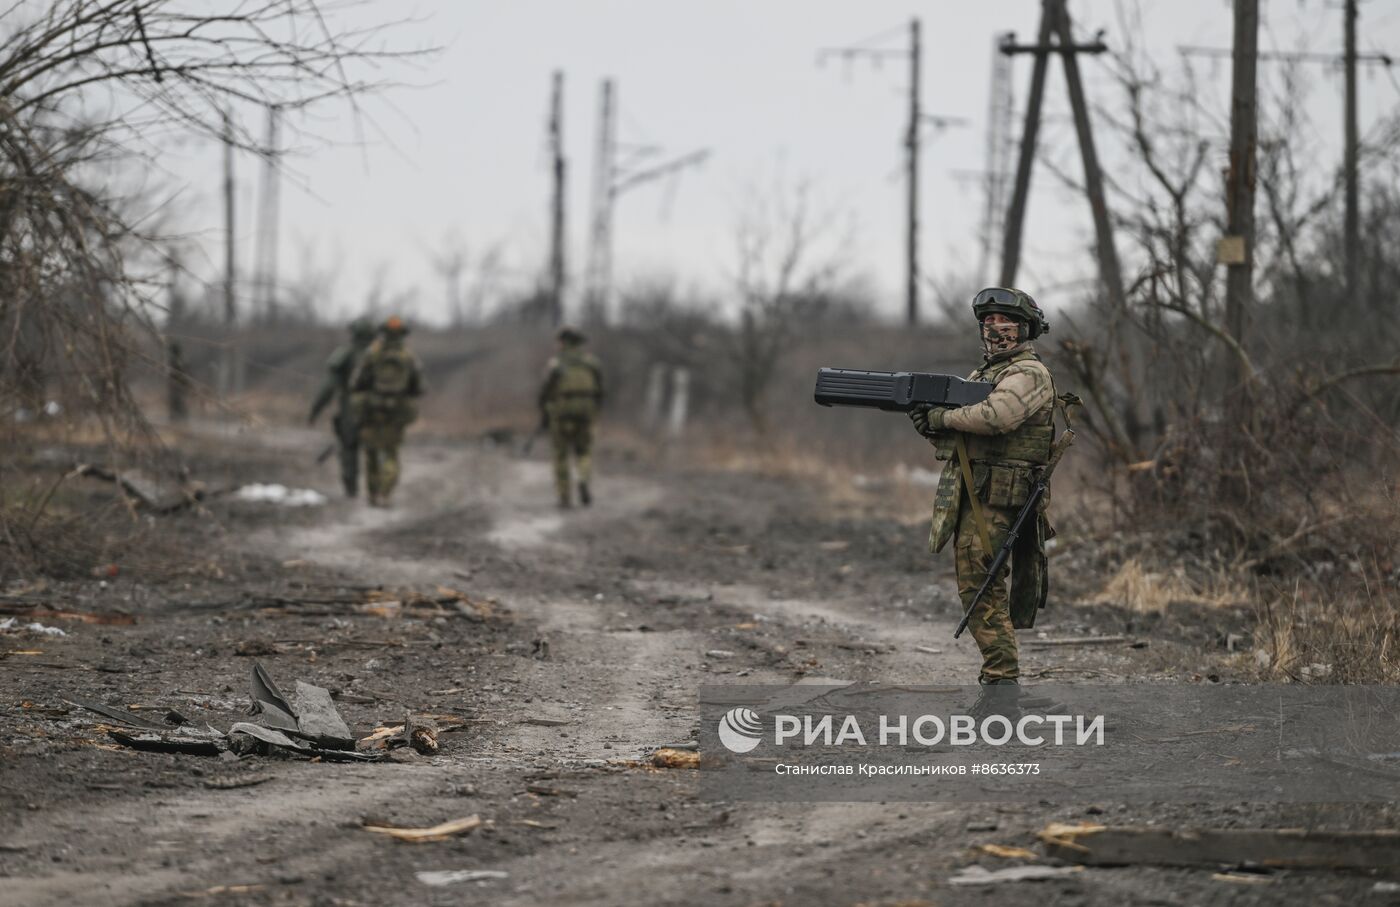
(912, 141)
(912, 148)
(268, 219)
(1351, 60)
(1020, 192)
(556, 237)
(229, 382)
(1109, 270)
(1239, 210)
(1352, 227)
(599, 273)
(611, 179)
(230, 306)
(996, 175)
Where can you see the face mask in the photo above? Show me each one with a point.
(998, 338)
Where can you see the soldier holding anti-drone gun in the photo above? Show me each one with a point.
(996, 433)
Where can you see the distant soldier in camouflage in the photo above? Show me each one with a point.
(994, 449)
(336, 386)
(384, 387)
(569, 401)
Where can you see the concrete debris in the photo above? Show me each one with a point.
(1292, 848)
(453, 876)
(978, 875)
(12, 625)
(440, 832)
(280, 494)
(1316, 671)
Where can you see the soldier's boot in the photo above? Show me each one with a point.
(998, 697)
(584, 497)
(352, 486)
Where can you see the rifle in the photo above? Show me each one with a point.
(325, 455)
(896, 391)
(1042, 483)
(535, 435)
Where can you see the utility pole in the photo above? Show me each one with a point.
(611, 179)
(1351, 60)
(268, 219)
(1055, 19)
(997, 170)
(1239, 204)
(229, 372)
(912, 141)
(230, 306)
(1352, 227)
(1109, 270)
(556, 233)
(599, 274)
(912, 147)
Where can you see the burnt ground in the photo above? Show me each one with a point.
(582, 648)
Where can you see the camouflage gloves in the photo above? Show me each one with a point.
(928, 420)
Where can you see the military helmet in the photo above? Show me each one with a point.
(1012, 303)
(362, 329)
(394, 326)
(569, 334)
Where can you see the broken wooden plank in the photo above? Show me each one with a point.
(420, 835)
(1293, 848)
(1079, 641)
(167, 742)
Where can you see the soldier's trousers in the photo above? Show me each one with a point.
(571, 435)
(381, 443)
(990, 624)
(348, 441)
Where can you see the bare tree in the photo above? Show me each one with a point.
(449, 261)
(85, 83)
(786, 262)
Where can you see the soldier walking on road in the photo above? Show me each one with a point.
(994, 450)
(336, 386)
(569, 401)
(384, 387)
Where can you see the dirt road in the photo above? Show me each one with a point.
(597, 628)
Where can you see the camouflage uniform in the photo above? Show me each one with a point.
(384, 385)
(569, 401)
(1007, 437)
(336, 386)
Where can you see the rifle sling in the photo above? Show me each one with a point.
(978, 516)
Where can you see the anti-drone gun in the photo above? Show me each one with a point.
(896, 391)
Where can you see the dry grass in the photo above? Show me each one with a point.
(1140, 589)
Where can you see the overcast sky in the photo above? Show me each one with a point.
(462, 154)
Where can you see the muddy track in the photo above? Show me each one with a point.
(627, 598)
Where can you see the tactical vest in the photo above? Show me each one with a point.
(575, 391)
(1027, 445)
(391, 371)
(1003, 466)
